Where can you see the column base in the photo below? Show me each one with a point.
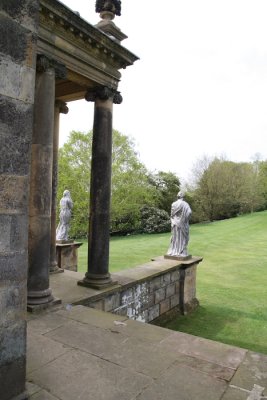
(40, 307)
(54, 268)
(96, 281)
(40, 300)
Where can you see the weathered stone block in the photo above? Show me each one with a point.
(170, 290)
(174, 300)
(12, 378)
(175, 275)
(12, 303)
(127, 296)
(23, 11)
(97, 305)
(122, 311)
(13, 193)
(14, 155)
(160, 295)
(13, 342)
(13, 229)
(112, 302)
(190, 284)
(155, 284)
(164, 306)
(177, 287)
(153, 312)
(19, 127)
(13, 267)
(19, 82)
(13, 39)
(165, 279)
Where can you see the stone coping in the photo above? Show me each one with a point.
(65, 285)
(68, 244)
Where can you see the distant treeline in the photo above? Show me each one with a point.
(141, 200)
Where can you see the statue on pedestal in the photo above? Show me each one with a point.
(66, 205)
(180, 215)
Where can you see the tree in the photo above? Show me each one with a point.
(131, 189)
(226, 189)
(167, 186)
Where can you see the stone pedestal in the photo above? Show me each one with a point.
(67, 255)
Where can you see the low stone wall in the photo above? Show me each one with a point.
(151, 292)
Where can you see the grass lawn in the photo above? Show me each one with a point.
(231, 280)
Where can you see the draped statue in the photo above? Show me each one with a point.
(180, 215)
(66, 205)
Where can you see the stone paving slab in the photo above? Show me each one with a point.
(42, 350)
(134, 353)
(253, 370)
(183, 383)
(209, 350)
(82, 353)
(47, 323)
(80, 313)
(212, 369)
(79, 375)
(116, 323)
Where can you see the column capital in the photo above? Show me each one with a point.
(62, 106)
(104, 93)
(45, 63)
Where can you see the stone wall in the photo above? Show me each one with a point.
(18, 28)
(152, 292)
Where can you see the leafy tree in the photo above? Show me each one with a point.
(226, 189)
(131, 189)
(167, 186)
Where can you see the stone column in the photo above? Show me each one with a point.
(39, 292)
(60, 107)
(98, 275)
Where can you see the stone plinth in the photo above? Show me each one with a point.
(67, 254)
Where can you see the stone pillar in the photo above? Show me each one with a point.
(98, 275)
(39, 293)
(60, 107)
(17, 71)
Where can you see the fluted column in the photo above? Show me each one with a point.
(60, 107)
(98, 275)
(39, 292)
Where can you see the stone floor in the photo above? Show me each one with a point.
(78, 353)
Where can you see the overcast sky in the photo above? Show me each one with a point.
(200, 86)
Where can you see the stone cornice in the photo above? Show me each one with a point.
(77, 29)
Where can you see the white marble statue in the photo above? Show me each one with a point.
(180, 215)
(66, 205)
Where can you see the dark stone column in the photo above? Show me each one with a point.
(98, 275)
(39, 293)
(60, 107)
